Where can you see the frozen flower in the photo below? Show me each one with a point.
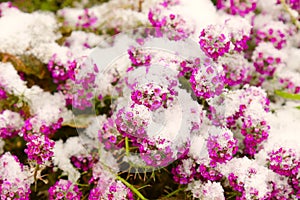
(207, 191)
(238, 70)
(14, 180)
(138, 57)
(173, 24)
(247, 177)
(154, 96)
(39, 148)
(284, 162)
(115, 191)
(220, 39)
(107, 187)
(185, 171)
(237, 7)
(221, 145)
(63, 153)
(207, 81)
(213, 42)
(10, 124)
(64, 189)
(275, 32)
(267, 59)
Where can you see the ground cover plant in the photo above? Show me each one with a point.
(150, 99)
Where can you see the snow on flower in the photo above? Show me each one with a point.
(199, 101)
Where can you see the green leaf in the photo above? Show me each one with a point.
(287, 95)
(298, 107)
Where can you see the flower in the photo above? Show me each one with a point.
(64, 189)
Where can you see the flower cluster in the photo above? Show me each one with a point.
(221, 147)
(213, 44)
(83, 94)
(107, 187)
(108, 135)
(267, 59)
(185, 171)
(83, 162)
(61, 72)
(207, 113)
(133, 122)
(116, 190)
(289, 85)
(14, 180)
(186, 67)
(86, 20)
(64, 189)
(237, 7)
(284, 162)
(161, 16)
(207, 81)
(220, 39)
(159, 152)
(10, 124)
(153, 96)
(138, 57)
(39, 148)
(238, 70)
(209, 190)
(242, 118)
(275, 32)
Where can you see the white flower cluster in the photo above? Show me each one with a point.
(207, 191)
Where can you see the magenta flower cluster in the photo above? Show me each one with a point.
(83, 95)
(221, 148)
(186, 67)
(284, 162)
(87, 20)
(112, 194)
(215, 43)
(83, 162)
(153, 96)
(237, 7)
(187, 170)
(7, 190)
(289, 85)
(254, 129)
(158, 152)
(138, 58)
(265, 64)
(207, 81)
(61, 72)
(39, 148)
(237, 71)
(213, 46)
(173, 24)
(109, 135)
(276, 36)
(64, 189)
(130, 124)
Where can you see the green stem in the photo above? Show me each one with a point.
(133, 189)
(288, 10)
(127, 146)
(174, 192)
(37, 167)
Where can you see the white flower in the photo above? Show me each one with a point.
(62, 154)
(12, 171)
(11, 119)
(26, 33)
(10, 79)
(207, 191)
